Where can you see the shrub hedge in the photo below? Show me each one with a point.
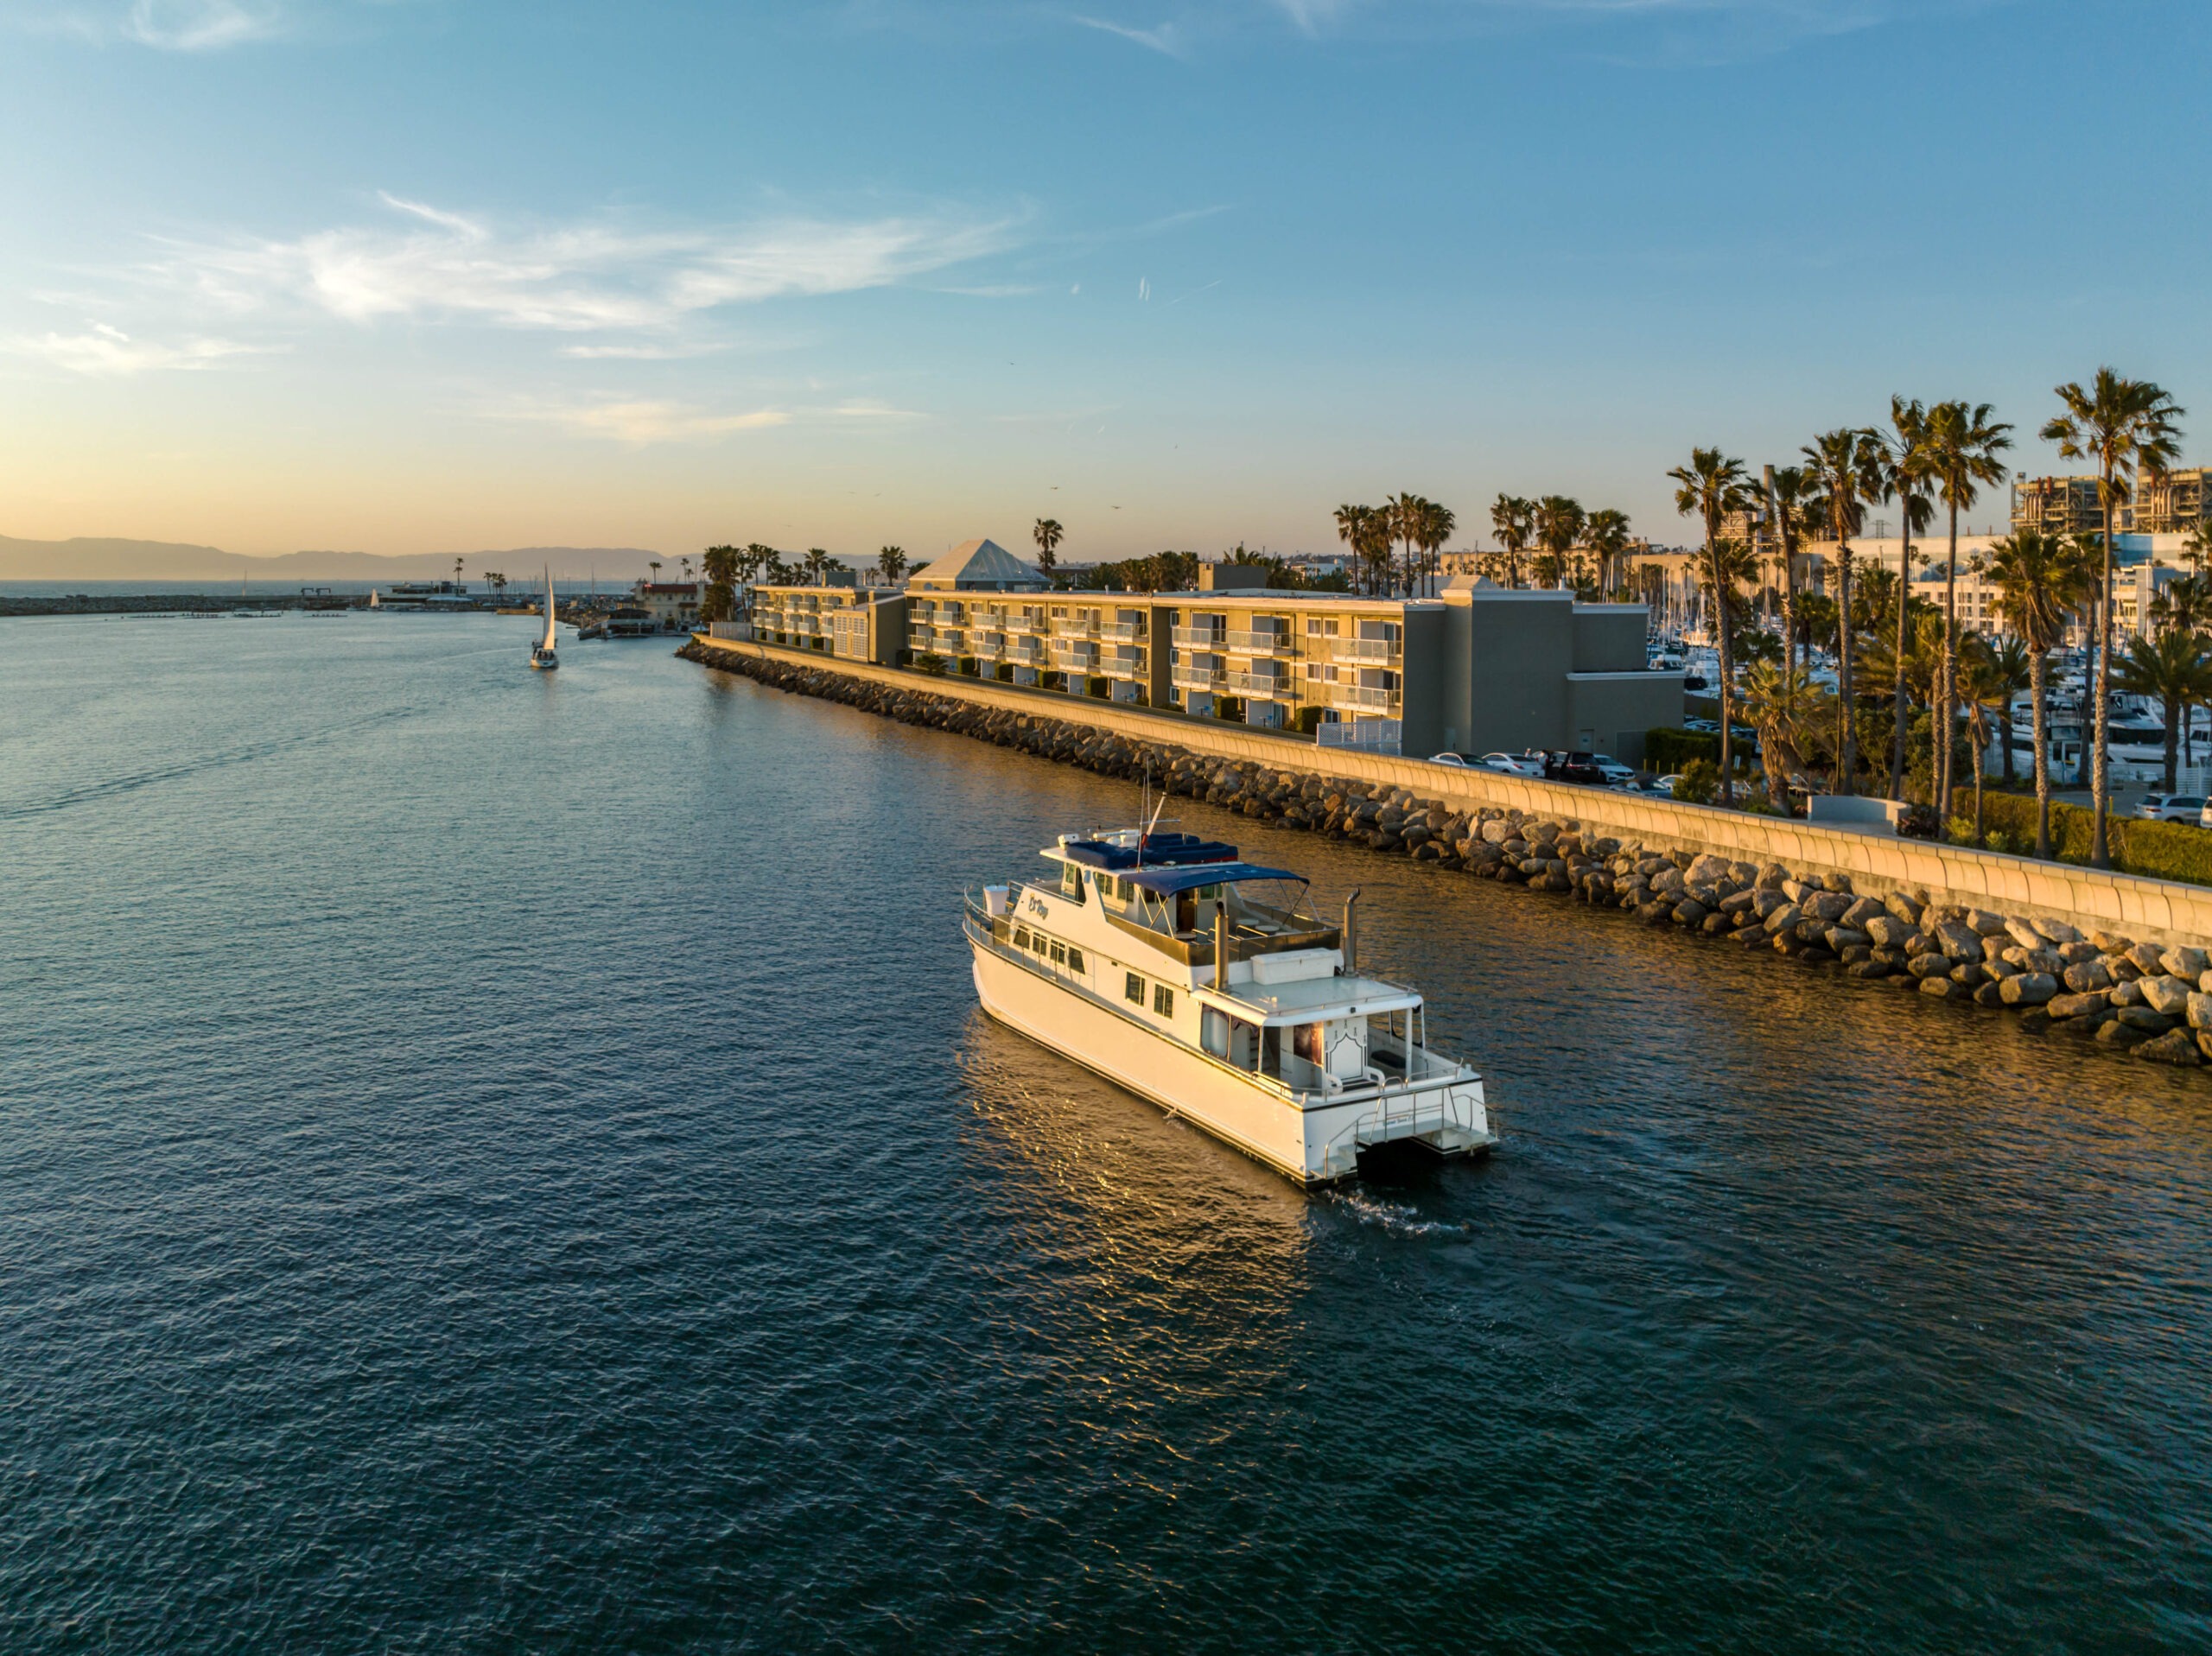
(2157, 850)
(1667, 750)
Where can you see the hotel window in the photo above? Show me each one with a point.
(1133, 988)
(1320, 673)
(1317, 627)
(1163, 1000)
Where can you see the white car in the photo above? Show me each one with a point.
(1515, 765)
(1616, 772)
(1666, 785)
(2171, 808)
(1464, 761)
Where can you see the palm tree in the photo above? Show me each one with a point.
(1906, 472)
(2040, 580)
(1048, 534)
(718, 565)
(1982, 688)
(1711, 487)
(2176, 668)
(1606, 533)
(1963, 449)
(816, 565)
(2130, 428)
(891, 563)
(1788, 489)
(1403, 513)
(1774, 693)
(1845, 469)
(1437, 523)
(1559, 525)
(2008, 662)
(653, 564)
(1512, 520)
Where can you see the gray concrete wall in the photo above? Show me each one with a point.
(2162, 911)
(1423, 698)
(1518, 643)
(1611, 711)
(1609, 638)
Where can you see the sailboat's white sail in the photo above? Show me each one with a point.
(548, 645)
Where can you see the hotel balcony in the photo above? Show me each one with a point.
(1370, 648)
(1069, 626)
(1259, 643)
(1122, 663)
(1120, 632)
(1025, 652)
(1198, 638)
(952, 638)
(1273, 686)
(1024, 623)
(1196, 675)
(990, 645)
(1075, 656)
(1367, 697)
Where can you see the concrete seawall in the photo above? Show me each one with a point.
(2162, 911)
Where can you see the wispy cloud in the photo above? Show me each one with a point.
(103, 352)
(164, 25)
(1166, 39)
(446, 266)
(638, 422)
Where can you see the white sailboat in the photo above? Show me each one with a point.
(542, 657)
(376, 602)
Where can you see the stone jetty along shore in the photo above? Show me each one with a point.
(2150, 1001)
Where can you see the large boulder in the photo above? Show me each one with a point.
(2168, 996)
(2024, 934)
(1842, 937)
(1907, 907)
(2147, 959)
(2028, 989)
(2199, 1012)
(1944, 989)
(2079, 1006)
(1888, 931)
(1828, 906)
(2058, 932)
(1782, 919)
(2129, 993)
(2182, 961)
(2143, 1019)
(2177, 1047)
(1929, 966)
(1983, 922)
(1862, 910)
(1960, 942)
(2089, 975)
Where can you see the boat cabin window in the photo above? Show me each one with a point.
(1075, 960)
(1059, 953)
(1229, 1038)
(1133, 988)
(1022, 938)
(1163, 1000)
(1306, 1042)
(1072, 881)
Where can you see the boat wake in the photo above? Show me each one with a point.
(1401, 1220)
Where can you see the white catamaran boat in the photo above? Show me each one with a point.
(542, 657)
(1289, 1054)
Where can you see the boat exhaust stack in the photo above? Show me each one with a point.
(1351, 932)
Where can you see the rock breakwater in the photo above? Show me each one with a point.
(2140, 998)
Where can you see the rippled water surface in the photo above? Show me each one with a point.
(491, 1161)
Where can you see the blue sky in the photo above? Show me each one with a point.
(410, 275)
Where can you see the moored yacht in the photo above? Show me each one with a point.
(1283, 1050)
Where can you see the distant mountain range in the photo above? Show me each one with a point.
(99, 559)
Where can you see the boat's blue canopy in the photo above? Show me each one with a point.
(1166, 882)
(1166, 849)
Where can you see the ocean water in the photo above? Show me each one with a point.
(492, 1161)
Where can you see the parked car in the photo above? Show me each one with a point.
(1666, 785)
(1517, 765)
(1573, 767)
(1709, 727)
(1464, 761)
(1616, 772)
(2172, 808)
